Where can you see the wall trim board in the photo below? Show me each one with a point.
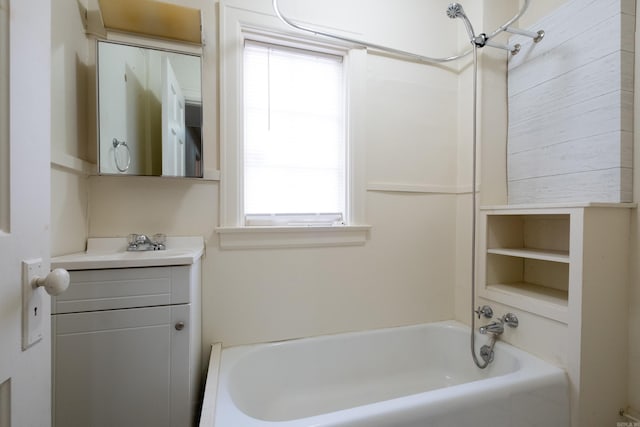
(418, 188)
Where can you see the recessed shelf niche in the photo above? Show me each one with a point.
(527, 262)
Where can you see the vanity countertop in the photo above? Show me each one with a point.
(110, 252)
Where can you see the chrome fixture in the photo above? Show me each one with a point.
(624, 413)
(537, 36)
(141, 242)
(454, 10)
(510, 320)
(118, 144)
(485, 311)
(487, 353)
(496, 327)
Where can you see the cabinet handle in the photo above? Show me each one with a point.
(179, 326)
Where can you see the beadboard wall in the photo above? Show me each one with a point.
(571, 106)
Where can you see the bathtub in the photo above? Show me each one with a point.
(414, 376)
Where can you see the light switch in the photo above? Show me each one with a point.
(32, 303)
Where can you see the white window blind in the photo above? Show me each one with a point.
(294, 135)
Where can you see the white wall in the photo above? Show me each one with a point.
(404, 274)
(538, 10)
(415, 266)
(70, 114)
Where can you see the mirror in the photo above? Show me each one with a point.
(149, 111)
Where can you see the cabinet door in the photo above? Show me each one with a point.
(122, 368)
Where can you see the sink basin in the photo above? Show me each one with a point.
(112, 253)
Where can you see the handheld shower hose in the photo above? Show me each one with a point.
(455, 10)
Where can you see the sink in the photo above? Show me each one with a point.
(111, 253)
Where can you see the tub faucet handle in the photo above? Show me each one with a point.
(485, 311)
(511, 320)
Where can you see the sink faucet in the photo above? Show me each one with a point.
(497, 327)
(142, 242)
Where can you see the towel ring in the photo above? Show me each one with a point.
(117, 144)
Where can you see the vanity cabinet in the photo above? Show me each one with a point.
(564, 271)
(126, 347)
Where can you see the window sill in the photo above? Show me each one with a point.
(292, 237)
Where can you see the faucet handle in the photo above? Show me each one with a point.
(137, 238)
(485, 311)
(143, 238)
(510, 319)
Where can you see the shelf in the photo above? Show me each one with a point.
(543, 255)
(152, 18)
(526, 261)
(542, 293)
(542, 300)
(547, 206)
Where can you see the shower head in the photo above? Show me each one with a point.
(455, 10)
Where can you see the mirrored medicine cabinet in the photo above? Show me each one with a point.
(149, 111)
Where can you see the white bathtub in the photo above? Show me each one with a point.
(420, 376)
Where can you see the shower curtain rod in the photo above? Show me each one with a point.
(415, 56)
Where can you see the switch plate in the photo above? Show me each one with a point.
(32, 303)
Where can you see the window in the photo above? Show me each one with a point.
(294, 136)
(291, 157)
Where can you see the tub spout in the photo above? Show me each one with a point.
(495, 328)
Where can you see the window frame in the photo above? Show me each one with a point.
(237, 25)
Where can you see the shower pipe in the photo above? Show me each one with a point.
(474, 202)
(480, 40)
(454, 10)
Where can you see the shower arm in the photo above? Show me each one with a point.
(398, 52)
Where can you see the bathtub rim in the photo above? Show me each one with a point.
(528, 366)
